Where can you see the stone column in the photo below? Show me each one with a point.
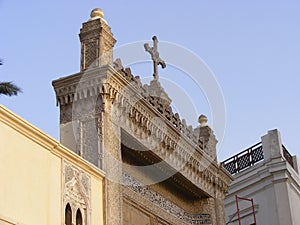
(112, 164)
(208, 207)
(220, 208)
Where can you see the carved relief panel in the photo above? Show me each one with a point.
(76, 195)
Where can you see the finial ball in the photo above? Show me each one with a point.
(202, 120)
(97, 13)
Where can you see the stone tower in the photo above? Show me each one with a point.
(97, 42)
(79, 95)
(86, 123)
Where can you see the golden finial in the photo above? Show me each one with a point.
(202, 120)
(97, 13)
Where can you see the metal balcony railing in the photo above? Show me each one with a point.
(245, 159)
(250, 157)
(288, 157)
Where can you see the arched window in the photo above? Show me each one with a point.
(78, 217)
(68, 215)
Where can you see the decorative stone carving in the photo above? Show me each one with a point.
(118, 64)
(163, 203)
(209, 141)
(90, 54)
(153, 220)
(97, 42)
(76, 191)
(157, 96)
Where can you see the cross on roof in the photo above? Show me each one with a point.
(155, 57)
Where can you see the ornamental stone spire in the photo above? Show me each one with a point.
(207, 138)
(97, 42)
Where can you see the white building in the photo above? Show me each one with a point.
(268, 174)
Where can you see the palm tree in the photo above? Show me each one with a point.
(8, 88)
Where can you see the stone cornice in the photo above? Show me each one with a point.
(67, 88)
(9, 221)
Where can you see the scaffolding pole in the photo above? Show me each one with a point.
(237, 198)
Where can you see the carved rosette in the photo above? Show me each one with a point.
(76, 191)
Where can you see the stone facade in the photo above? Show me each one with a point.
(130, 131)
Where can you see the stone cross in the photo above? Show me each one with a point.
(155, 57)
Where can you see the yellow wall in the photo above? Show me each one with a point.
(97, 202)
(31, 175)
(30, 180)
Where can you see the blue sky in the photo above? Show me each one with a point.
(252, 47)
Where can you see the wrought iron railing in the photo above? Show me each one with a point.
(288, 157)
(249, 157)
(245, 159)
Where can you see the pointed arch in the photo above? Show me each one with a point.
(68, 215)
(78, 217)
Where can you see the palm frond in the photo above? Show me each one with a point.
(9, 88)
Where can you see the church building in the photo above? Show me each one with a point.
(124, 156)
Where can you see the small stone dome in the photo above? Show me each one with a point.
(97, 13)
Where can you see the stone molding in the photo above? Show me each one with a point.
(4, 220)
(263, 175)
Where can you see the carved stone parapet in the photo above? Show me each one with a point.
(157, 95)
